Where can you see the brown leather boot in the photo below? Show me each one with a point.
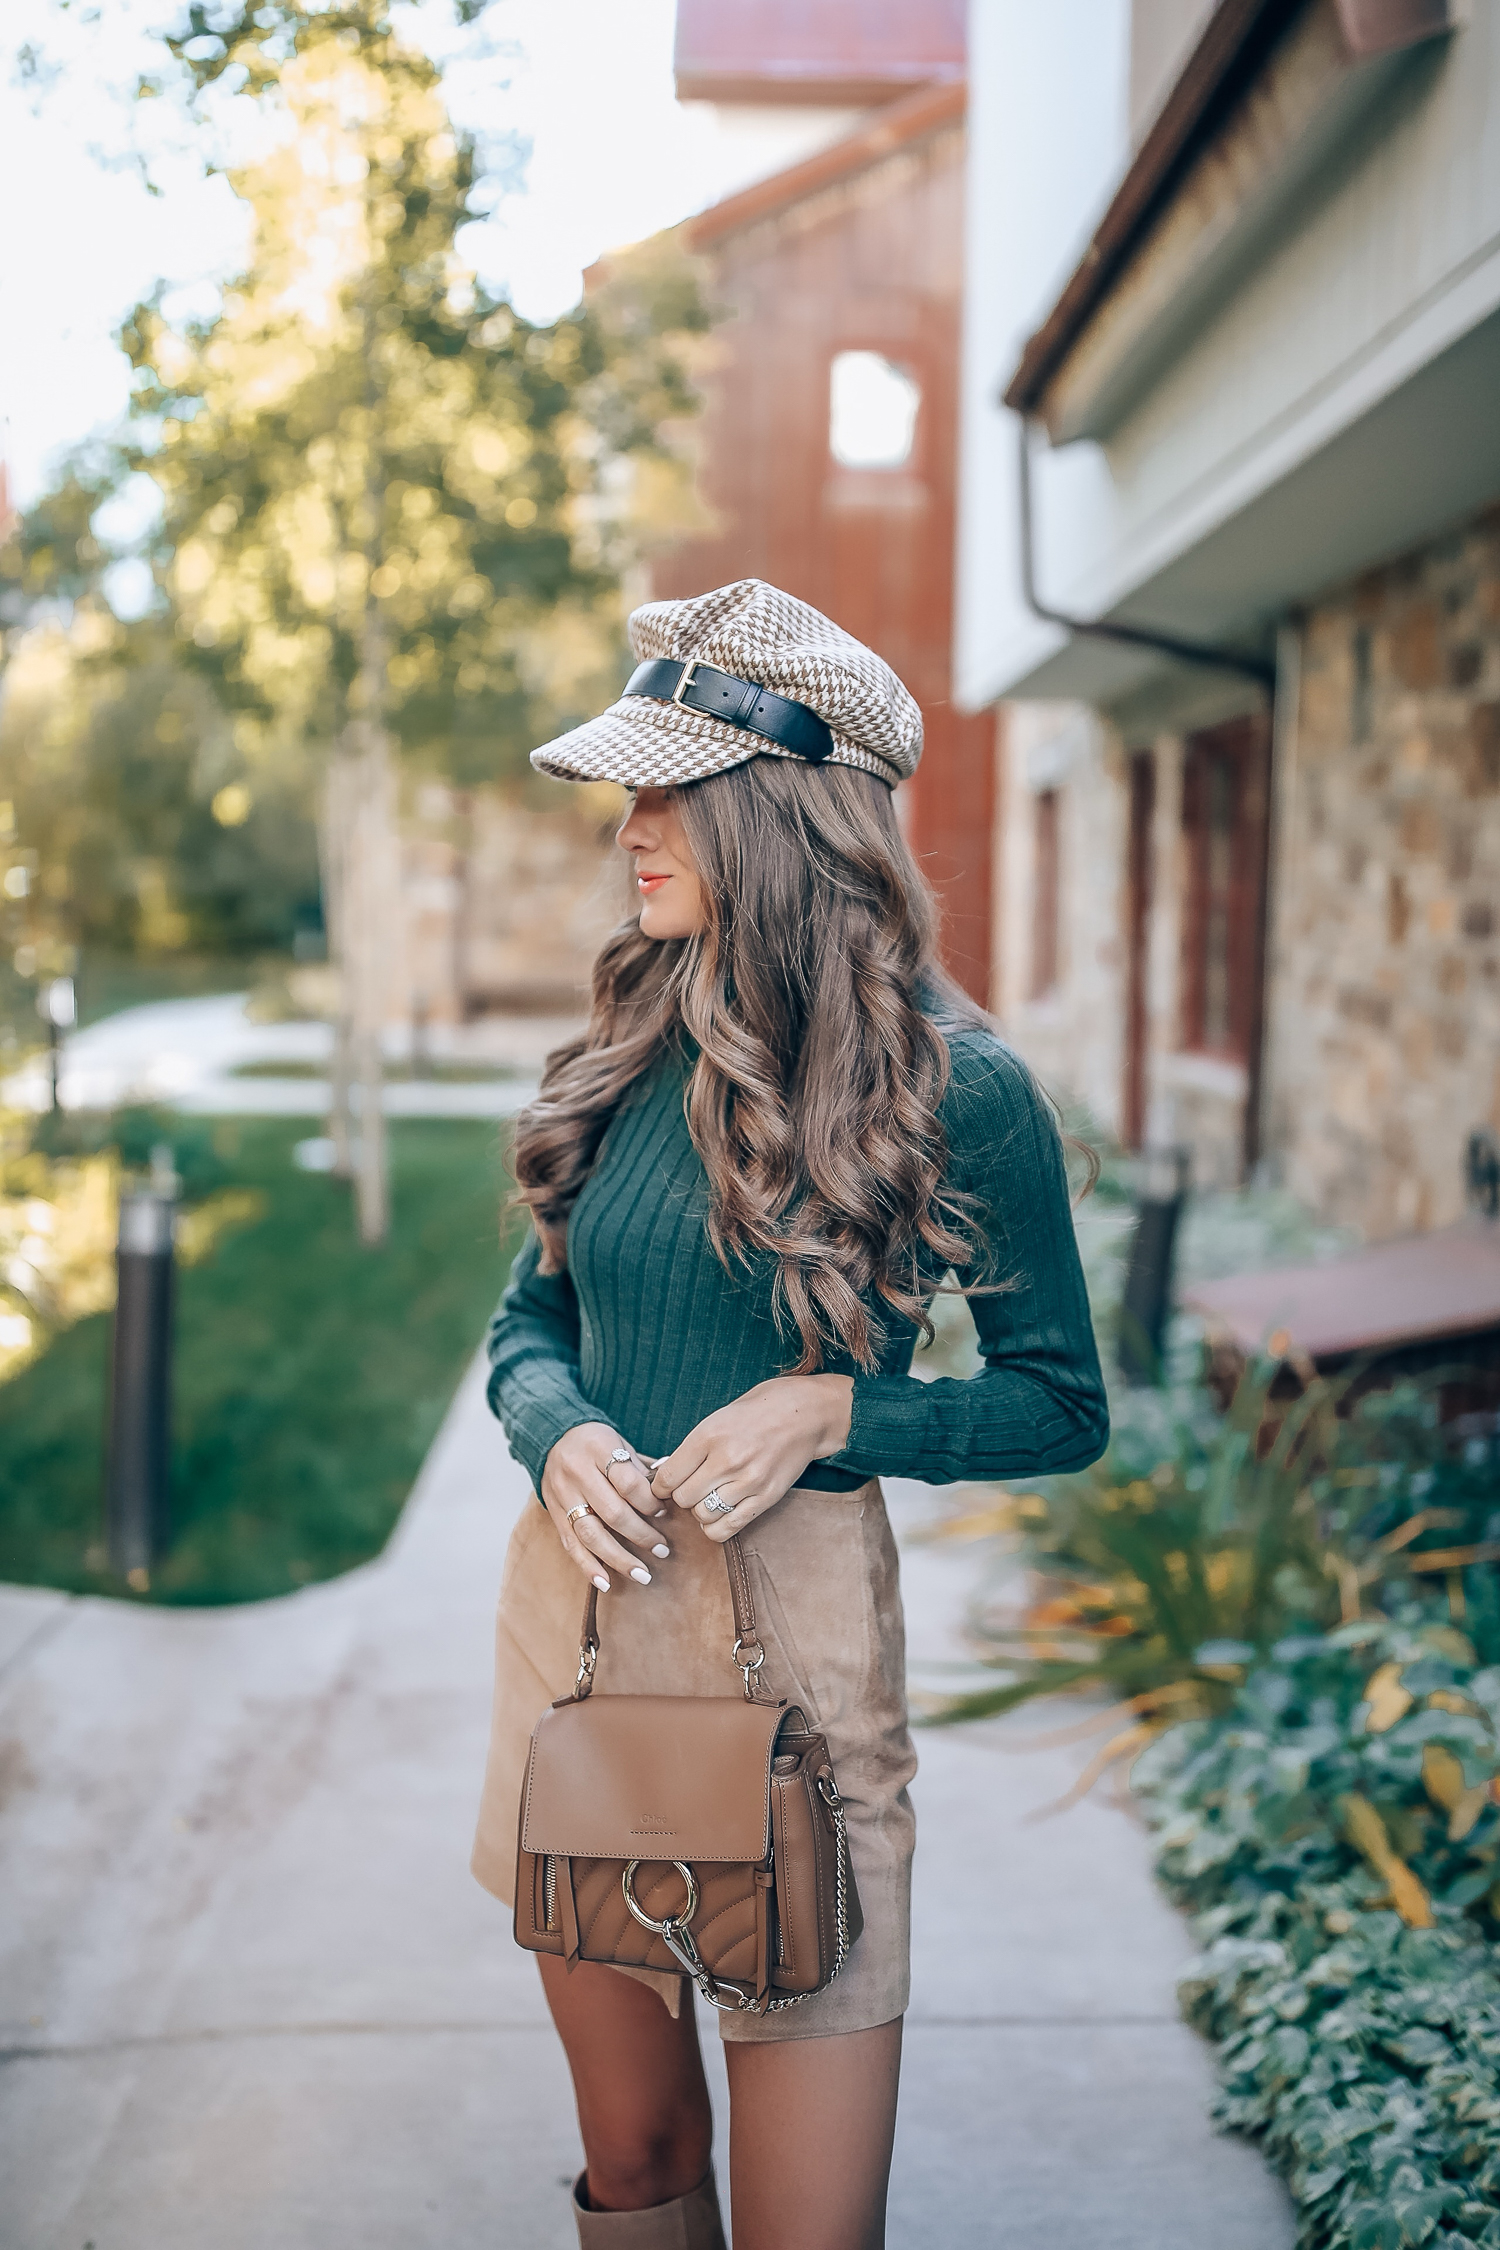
(691, 2223)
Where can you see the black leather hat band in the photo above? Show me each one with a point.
(696, 686)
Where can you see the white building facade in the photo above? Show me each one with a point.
(1235, 270)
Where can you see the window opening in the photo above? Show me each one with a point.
(872, 411)
(1219, 878)
(1224, 818)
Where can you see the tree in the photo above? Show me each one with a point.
(127, 823)
(386, 520)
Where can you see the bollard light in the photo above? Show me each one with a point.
(140, 1404)
(58, 1002)
(57, 1005)
(1146, 1301)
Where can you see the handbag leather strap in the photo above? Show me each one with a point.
(749, 1653)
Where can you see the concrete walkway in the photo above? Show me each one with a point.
(186, 1053)
(253, 2000)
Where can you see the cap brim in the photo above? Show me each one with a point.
(642, 743)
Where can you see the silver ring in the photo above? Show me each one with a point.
(716, 1506)
(622, 1453)
(582, 1509)
(670, 1921)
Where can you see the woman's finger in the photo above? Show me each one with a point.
(594, 1533)
(680, 1464)
(718, 1528)
(592, 1550)
(730, 1481)
(621, 1517)
(633, 1490)
(578, 1555)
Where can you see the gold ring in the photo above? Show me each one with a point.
(582, 1509)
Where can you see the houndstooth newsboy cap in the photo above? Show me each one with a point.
(791, 683)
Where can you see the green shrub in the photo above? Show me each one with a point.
(1336, 1835)
(1201, 1539)
(1294, 1608)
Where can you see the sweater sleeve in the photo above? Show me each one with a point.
(533, 1353)
(1038, 1402)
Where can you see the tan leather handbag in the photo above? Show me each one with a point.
(694, 1834)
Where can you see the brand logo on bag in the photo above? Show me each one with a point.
(652, 1824)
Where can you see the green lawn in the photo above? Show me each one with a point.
(310, 1377)
(394, 1073)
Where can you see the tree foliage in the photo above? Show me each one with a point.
(365, 430)
(361, 450)
(127, 790)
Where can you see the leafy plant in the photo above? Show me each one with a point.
(1160, 1588)
(1337, 1836)
(1293, 1610)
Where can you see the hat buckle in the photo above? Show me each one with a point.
(692, 666)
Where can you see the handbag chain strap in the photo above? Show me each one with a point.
(749, 1652)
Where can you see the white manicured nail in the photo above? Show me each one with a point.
(641, 1575)
(659, 1550)
(602, 1584)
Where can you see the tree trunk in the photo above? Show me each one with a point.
(362, 856)
(335, 838)
(375, 902)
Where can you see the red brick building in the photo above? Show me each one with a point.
(827, 445)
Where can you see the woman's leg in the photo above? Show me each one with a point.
(811, 2123)
(643, 2106)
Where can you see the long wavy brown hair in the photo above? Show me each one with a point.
(816, 1004)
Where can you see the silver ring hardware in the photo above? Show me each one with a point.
(622, 1453)
(717, 1506)
(749, 1666)
(582, 1509)
(678, 1940)
(678, 1921)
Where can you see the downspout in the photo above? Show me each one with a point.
(1208, 658)
(1202, 653)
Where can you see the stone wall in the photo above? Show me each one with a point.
(1384, 989)
(505, 901)
(1382, 1045)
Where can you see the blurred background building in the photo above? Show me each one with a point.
(1235, 270)
(827, 446)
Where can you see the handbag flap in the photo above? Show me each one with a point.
(652, 1777)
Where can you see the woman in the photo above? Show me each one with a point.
(783, 1127)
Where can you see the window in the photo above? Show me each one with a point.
(1045, 901)
(1224, 829)
(872, 411)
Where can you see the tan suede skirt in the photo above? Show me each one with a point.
(828, 1605)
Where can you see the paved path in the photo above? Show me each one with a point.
(253, 2000)
(185, 1053)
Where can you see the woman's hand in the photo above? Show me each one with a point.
(754, 1450)
(584, 1471)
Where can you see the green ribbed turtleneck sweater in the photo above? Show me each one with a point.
(645, 1330)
